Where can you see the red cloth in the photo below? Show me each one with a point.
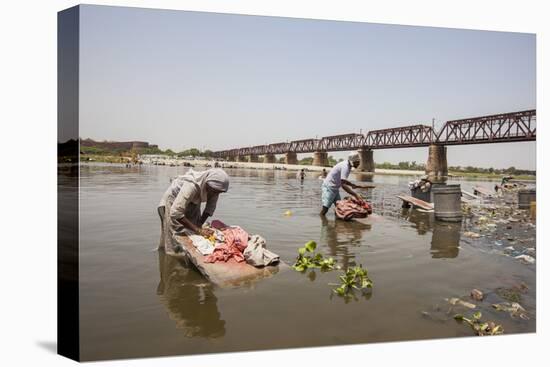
(218, 224)
(236, 241)
(350, 207)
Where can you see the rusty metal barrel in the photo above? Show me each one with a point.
(447, 205)
(525, 197)
(419, 194)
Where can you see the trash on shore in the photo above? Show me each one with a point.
(288, 213)
(498, 222)
(480, 327)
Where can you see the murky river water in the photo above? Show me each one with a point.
(136, 302)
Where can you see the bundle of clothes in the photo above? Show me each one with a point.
(423, 184)
(351, 207)
(233, 242)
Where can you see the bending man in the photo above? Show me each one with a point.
(180, 206)
(336, 178)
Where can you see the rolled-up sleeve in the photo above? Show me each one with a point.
(177, 210)
(211, 203)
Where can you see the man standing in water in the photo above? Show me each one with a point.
(302, 175)
(336, 178)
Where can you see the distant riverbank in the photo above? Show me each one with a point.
(289, 167)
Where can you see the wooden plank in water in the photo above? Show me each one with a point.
(483, 191)
(225, 274)
(464, 192)
(416, 202)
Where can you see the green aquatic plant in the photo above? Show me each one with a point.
(307, 259)
(353, 278)
(480, 328)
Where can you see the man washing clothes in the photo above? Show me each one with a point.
(336, 178)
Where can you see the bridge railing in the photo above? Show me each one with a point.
(514, 126)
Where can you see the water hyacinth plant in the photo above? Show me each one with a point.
(307, 259)
(480, 328)
(354, 278)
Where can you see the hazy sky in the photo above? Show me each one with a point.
(216, 81)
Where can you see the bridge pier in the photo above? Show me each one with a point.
(269, 158)
(253, 158)
(366, 163)
(291, 158)
(320, 159)
(436, 167)
(240, 158)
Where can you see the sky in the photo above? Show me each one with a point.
(219, 81)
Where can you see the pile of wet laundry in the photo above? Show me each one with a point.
(233, 242)
(351, 207)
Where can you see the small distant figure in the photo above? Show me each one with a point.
(302, 175)
(323, 174)
(505, 179)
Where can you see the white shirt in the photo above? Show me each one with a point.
(337, 173)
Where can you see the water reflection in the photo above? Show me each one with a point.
(445, 239)
(189, 299)
(445, 236)
(267, 175)
(423, 222)
(341, 236)
(353, 295)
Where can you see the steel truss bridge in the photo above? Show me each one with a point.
(501, 128)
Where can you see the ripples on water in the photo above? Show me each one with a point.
(136, 302)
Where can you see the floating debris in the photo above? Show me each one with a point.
(472, 234)
(480, 328)
(477, 294)
(526, 259)
(512, 294)
(514, 309)
(454, 301)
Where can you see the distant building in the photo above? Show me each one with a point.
(118, 145)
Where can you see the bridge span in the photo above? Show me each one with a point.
(500, 128)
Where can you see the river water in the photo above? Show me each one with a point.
(137, 302)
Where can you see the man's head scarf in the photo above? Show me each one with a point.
(216, 178)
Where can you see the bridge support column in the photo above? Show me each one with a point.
(366, 163)
(253, 158)
(436, 167)
(240, 158)
(320, 159)
(291, 158)
(269, 158)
